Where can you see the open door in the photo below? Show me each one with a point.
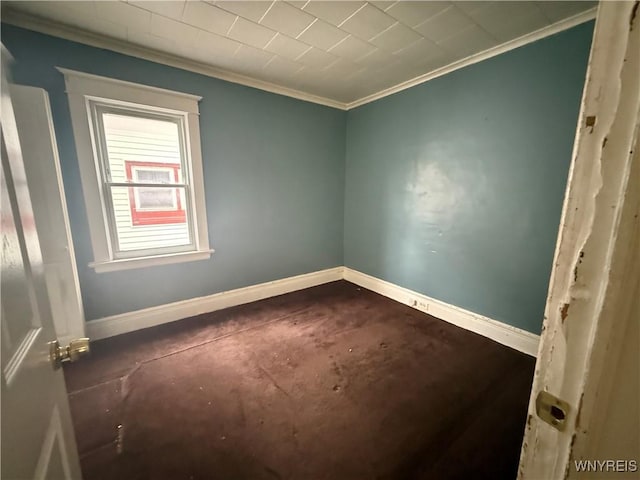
(585, 404)
(44, 176)
(37, 434)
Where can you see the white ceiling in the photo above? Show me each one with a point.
(339, 50)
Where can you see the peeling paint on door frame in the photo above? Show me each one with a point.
(587, 299)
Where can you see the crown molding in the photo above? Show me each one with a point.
(38, 24)
(42, 25)
(479, 57)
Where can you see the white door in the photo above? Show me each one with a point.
(37, 435)
(588, 367)
(42, 167)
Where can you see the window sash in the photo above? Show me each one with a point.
(97, 110)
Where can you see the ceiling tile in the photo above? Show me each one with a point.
(214, 49)
(286, 47)
(396, 73)
(434, 64)
(507, 26)
(250, 33)
(472, 6)
(298, 3)
(471, 40)
(444, 24)
(207, 17)
(313, 81)
(367, 23)
(225, 62)
(251, 10)
(356, 77)
(375, 58)
(366, 85)
(322, 35)
(396, 38)
(172, 29)
(110, 29)
(281, 68)
(556, 11)
(314, 57)
(352, 48)
(216, 45)
(252, 58)
(171, 9)
(422, 52)
(333, 12)
(502, 12)
(414, 13)
(342, 68)
(306, 73)
(287, 19)
(160, 44)
(382, 5)
(126, 15)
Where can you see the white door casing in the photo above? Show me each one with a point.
(596, 273)
(44, 176)
(36, 432)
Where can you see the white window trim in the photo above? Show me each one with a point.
(82, 87)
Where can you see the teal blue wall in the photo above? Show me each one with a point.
(454, 188)
(273, 167)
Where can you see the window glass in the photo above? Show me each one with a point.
(145, 175)
(145, 151)
(142, 229)
(156, 199)
(141, 139)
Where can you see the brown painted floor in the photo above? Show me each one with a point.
(333, 382)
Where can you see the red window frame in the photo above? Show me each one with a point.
(155, 217)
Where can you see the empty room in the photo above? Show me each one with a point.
(338, 240)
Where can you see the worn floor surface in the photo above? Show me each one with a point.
(333, 382)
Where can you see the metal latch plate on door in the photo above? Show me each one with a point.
(552, 410)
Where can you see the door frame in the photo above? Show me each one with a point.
(596, 271)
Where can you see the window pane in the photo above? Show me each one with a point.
(156, 199)
(150, 217)
(142, 149)
(152, 176)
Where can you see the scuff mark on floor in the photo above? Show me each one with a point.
(273, 381)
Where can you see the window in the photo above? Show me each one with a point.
(141, 169)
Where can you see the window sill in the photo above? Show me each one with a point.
(143, 262)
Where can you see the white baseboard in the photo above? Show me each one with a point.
(513, 337)
(150, 317)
